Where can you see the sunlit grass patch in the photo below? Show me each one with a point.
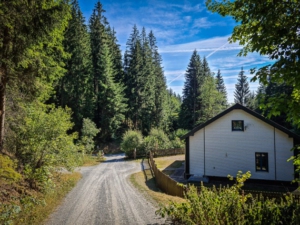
(48, 202)
(145, 183)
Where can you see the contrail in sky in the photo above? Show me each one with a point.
(210, 54)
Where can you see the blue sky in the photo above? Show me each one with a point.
(180, 27)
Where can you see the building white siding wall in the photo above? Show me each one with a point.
(285, 170)
(227, 151)
(197, 153)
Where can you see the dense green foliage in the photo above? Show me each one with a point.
(132, 141)
(42, 142)
(145, 85)
(156, 140)
(226, 205)
(203, 95)
(7, 169)
(74, 89)
(30, 47)
(88, 133)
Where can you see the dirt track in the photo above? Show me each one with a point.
(105, 196)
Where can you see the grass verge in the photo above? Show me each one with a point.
(38, 213)
(145, 183)
(92, 160)
(170, 162)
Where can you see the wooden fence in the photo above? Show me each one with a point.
(166, 152)
(164, 182)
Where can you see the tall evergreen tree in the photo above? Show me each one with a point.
(116, 55)
(144, 81)
(190, 108)
(98, 36)
(220, 86)
(110, 103)
(159, 114)
(242, 91)
(133, 63)
(148, 84)
(75, 88)
(30, 47)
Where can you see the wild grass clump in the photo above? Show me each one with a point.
(226, 205)
(31, 207)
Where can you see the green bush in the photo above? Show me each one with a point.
(88, 133)
(7, 169)
(157, 140)
(42, 143)
(131, 140)
(175, 136)
(225, 205)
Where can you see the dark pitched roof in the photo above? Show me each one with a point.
(239, 106)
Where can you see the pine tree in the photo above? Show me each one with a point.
(220, 86)
(75, 88)
(242, 90)
(190, 108)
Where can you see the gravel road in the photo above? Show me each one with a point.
(105, 196)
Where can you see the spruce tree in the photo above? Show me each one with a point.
(109, 98)
(242, 91)
(75, 88)
(133, 64)
(112, 101)
(98, 38)
(220, 86)
(144, 80)
(160, 88)
(190, 108)
(148, 84)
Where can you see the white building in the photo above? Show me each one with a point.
(240, 139)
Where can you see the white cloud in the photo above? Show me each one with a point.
(210, 44)
(187, 19)
(205, 23)
(189, 7)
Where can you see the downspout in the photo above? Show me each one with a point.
(275, 155)
(187, 157)
(204, 149)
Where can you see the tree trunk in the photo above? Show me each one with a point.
(2, 110)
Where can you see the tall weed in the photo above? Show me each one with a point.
(228, 205)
